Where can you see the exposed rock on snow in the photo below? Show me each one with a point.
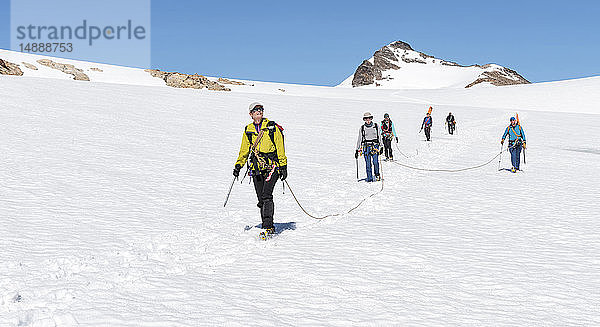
(401, 45)
(77, 73)
(228, 81)
(499, 77)
(8, 68)
(365, 74)
(180, 80)
(94, 69)
(29, 66)
(397, 61)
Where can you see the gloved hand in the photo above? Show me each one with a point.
(236, 170)
(283, 172)
(356, 154)
(381, 150)
(502, 142)
(524, 145)
(396, 139)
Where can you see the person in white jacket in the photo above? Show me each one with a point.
(369, 142)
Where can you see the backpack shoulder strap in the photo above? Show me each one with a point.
(248, 135)
(271, 125)
(362, 130)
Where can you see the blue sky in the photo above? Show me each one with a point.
(322, 42)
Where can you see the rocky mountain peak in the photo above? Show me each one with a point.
(398, 65)
(401, 45)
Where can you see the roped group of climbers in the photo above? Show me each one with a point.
(374, 140)
(267, 162)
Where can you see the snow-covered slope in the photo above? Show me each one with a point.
(96, 72)
(111, 202)
(398, 66)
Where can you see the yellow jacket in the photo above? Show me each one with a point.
(265, 145)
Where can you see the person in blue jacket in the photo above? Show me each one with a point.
(516, 142)
(427, 123)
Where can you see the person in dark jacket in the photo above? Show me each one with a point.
(369, 142)
(426, 125)
(516, 142)
(451, 123)
(388, 132)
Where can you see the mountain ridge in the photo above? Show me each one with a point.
(396, 65)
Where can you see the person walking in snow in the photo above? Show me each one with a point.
(262, 140)
(516, 142)
(388, 132)
(451, 123)
(427, 123)
(369, 142)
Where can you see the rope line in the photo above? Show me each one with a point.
(402, 153)
(449, 170)
(339, 213)
(381, 189)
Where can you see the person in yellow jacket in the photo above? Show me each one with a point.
(262, 141)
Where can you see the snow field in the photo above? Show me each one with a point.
(112, 203)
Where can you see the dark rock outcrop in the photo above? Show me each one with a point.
(77, 73)
(401, 45)
(383, 59)
(365, 74)
(187, 81)
(8, 68)
(411, 60)
(502, 77)
(228, 81)
(29, 66)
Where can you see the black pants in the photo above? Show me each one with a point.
(264, 193)
(450, 128)
(387, 146)
(428, 133)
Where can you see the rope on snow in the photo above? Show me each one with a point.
(381, 190)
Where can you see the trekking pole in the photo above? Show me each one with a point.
(228, 193)
(524, 161)
(500, 160)
(245, 174)
(356, 168)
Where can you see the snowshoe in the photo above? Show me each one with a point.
(267, 234)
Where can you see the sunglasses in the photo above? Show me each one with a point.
(367, 118)
(257, 108)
